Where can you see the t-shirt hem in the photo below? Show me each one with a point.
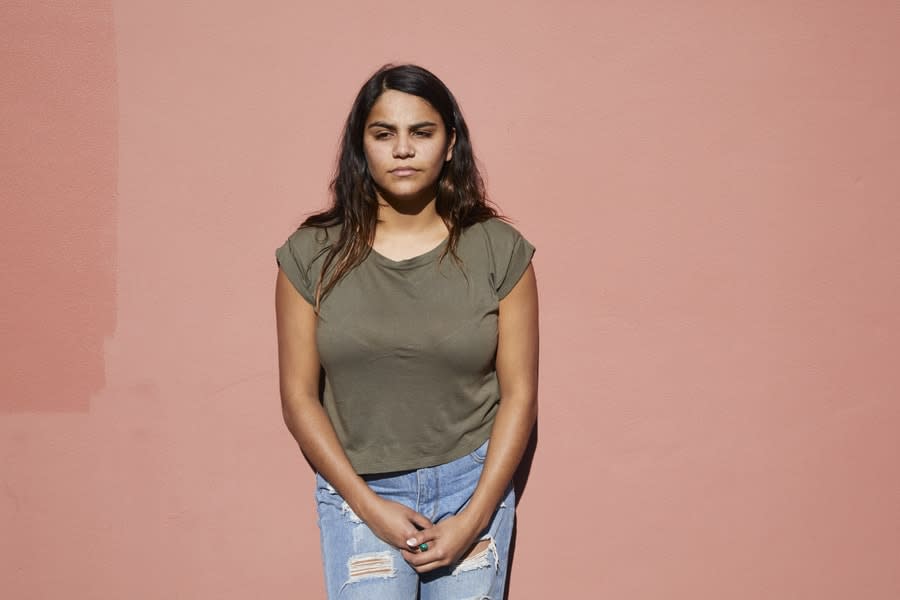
(369, 467)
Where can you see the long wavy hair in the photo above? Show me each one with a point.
(461, 199)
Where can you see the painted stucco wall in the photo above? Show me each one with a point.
(713, 191)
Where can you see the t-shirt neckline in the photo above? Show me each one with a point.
(408, 263)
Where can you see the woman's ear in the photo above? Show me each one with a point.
(450, 145)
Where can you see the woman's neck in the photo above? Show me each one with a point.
(403, 233)
(409, 218)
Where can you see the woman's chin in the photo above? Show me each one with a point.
(407, 194)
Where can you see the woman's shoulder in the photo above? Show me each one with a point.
(500, 233)
(506, 252)
(315, 235)
(301, 254)
(309, 240)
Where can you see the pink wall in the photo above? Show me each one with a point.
(713, 193)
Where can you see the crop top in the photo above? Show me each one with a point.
(408, 347)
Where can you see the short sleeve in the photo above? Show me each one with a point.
(512, 253)
(291, 259)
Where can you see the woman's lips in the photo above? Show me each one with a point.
(404, 172)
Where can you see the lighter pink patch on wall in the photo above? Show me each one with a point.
(58, 110)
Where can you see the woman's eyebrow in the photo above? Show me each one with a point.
(392, 127)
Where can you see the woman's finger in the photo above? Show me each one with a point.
(424, 537)
(420, 520)
(423, 562)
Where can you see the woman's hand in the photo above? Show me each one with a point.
(392, 522)
(447, 542)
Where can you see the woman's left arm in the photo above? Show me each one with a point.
(517, 372)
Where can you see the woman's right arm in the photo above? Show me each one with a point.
(298, 368)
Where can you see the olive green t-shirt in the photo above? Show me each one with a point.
(408, 347)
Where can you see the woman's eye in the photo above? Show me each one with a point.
(382, 135)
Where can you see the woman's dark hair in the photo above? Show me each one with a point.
(461, 198)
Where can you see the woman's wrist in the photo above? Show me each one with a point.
(477, 518)
(362, 500)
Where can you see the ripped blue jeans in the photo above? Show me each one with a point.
(359, 565)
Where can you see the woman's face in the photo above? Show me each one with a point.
(405, 146)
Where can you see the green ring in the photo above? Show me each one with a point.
(423, 546)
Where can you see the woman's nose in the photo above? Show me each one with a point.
(403, 146)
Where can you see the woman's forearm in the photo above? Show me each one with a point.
(509, 437)
(309, 424)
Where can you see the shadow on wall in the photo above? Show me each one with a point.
(520, 480)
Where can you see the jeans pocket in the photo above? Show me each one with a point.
(324, 490)
(480, 453)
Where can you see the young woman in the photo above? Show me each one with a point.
(408, 353)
